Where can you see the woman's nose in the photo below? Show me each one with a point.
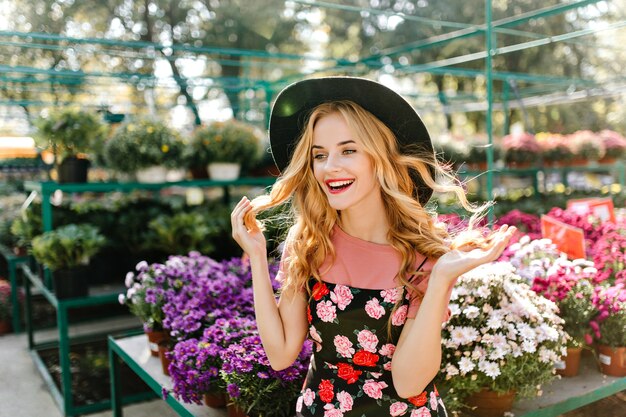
(332, 163)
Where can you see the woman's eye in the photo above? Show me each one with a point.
(349, 151)
(319, 156)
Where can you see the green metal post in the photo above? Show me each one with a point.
(268, 108)
(28, 311)
(505, 107)
(489, 121)
(64, 359)
(116, 405)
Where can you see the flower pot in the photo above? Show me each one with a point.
(152, 175)
(163, 348)
(224, 171)
(175, 175)
(72, 170)
(235, 411)
(5, 327)
(569, 365)
(215, 399)
(487, 403)
(154, 338)
(71, 283)
(612, 360)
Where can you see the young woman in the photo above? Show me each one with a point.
(366, 271)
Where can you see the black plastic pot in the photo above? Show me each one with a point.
(73, 170)
(71, 283)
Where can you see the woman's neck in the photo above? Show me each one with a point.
(371, 227)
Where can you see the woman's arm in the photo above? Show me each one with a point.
(417, 357)
(283, 326)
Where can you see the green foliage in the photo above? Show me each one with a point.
(180, 233)
(68, 246)
(230, 141)
(141, 144)
(613, 329)
(70, 132)
(28, 225)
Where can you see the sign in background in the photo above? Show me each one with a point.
(568, 239)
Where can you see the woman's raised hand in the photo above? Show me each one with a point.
(457, 262)
(251, 241)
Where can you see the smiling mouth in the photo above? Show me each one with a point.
(338, 186)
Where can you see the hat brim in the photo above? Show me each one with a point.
(295, 103)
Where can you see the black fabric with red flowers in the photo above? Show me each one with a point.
(350, 373)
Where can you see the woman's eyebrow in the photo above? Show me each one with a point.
(345, 142)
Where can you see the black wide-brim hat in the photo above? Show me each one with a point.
(295, 103)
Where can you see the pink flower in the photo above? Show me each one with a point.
(342, 296)
(433, 400)
(326, 311)
(387, 366)
(421, 412)
(308, 396)
(343, 345)
(316, 338)
(368, 340)
(331, 411)
(299, 404)
(399, 316)
(387, 350)
(374, 389)
(398, 408)
(374, 309)
(345, 401)
(391, 295)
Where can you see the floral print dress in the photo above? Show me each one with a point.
(350, 371)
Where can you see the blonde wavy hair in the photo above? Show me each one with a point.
(412, 228)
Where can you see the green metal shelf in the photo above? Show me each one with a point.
(567, 394)
(63, 395)
(133, 351)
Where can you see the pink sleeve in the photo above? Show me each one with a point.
(422, 285)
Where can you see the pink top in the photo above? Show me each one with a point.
(363, 264)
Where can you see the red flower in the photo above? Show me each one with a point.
(308, 314)
(319, 290)
(348, 373)
(365, 358)
(435, 389)
(419, 400)
(326, 390)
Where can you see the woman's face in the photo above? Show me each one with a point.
(342, 167)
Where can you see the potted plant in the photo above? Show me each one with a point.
(66, 251)
(196, 363)
(614, 144)
(502, 340)
(254, 387)
(477, 152)
(569, 285)
(26, 226)
(587, 146)
(145, 148)
(145, 298)
(609, 327)
(71, 134)
(555, 149)
(181, 233)
(6, 307)
(233, 143)
(520, 150)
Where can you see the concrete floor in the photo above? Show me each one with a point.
(23, 392)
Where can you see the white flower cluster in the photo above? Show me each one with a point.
(496, 316)
(533, 258)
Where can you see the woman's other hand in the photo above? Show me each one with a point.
(457, 262)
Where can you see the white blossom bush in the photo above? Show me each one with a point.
(534, 258)
(501, 336)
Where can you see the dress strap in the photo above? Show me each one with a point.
(418, 268)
